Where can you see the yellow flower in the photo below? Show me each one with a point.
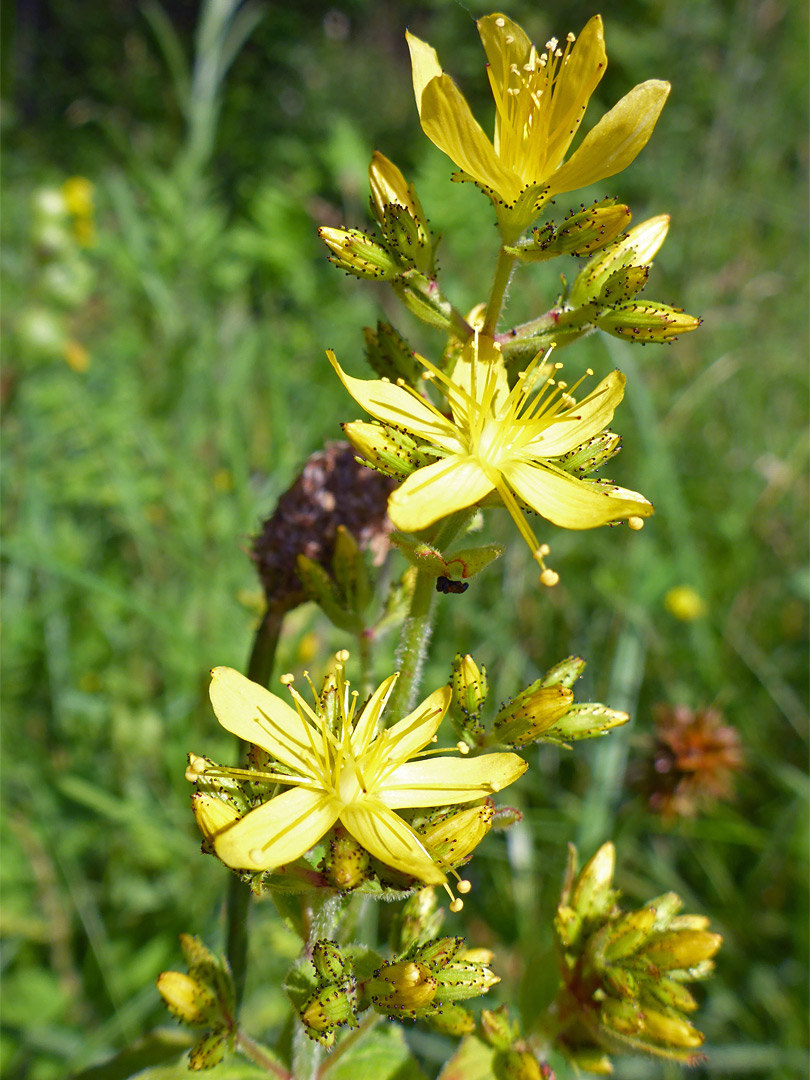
(540, 99)
(338, 767)
(515, 442)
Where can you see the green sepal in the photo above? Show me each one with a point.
(323, 590)
(390, 355)
(565, 673)
(422, 298)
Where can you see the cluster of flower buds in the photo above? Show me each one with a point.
(407, 254)
(583, 232)
(428, 982)
(204, 998)
(544, 712)
(604, 292)
(512, 1057)
(624, 972)
(333, 1003)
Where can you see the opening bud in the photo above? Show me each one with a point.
(356, 253)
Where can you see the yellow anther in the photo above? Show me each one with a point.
(287, 680)
(635, 523)
(342, 655)
(457, 905)
(464, 886)
(549, 577)
(462, 748)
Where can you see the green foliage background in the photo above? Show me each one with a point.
(131, 489)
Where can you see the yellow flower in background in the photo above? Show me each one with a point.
(337, 766)
(514, 442)
(540, 100)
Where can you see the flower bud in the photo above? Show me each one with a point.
(582, 233)
(565, 673)
(402, 988)
(681, 949)
(191, 1002)
(345, 865)
(321, 587)
(450, 1019)
(452, 840)
(587, 720)
(592, 895)
(213, 815)
(517, 1065)
(671, 1030)
(470, 689)
(389, 354)
(622, 286)
(497, 1028)
(646, 321)
(625, 1017)
(637, 248)
(522, 720)
(208, 1051)
(591, 455)
(621, 937)
(329, 962)
(389, 451)
(356, 253)
(351, 573)
(328, 1008)
(399, 214)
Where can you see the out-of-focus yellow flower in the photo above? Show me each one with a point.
(78, 196)
(76, 356)
(685, 603)
(515, 443)
(338, 767)
(540, 99)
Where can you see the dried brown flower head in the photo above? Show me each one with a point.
(692, 762)
(332, 489)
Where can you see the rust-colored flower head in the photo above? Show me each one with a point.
(331, 490)
(692, 762)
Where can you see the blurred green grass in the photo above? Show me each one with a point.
(131, 489)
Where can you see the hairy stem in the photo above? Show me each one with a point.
(497, 294)
(259, 1056)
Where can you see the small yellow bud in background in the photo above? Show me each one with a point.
(76, 356)
(78, 195)
(191, 1002)
(685, 603)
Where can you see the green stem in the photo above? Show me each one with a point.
(500, 283)
(259, 1056)
(418, 625)
(237, 902)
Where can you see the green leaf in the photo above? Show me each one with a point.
(158, 1046)
(379, 1054)
(472, 1061)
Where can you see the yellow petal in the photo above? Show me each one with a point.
(615, 141)
(444, 781)
(389, 839)
(254, 714)
(395, 405)
(505, 43)
(588, 418)
(572, 503)
(579, 77)
(424, 64)
(366, 725)
(414, 731)
(449, 124)
(278, 831)
(436, 491)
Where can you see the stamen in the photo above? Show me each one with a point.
(464, 886)
(635, 523)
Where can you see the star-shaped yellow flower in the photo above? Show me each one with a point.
(337, 766)
(514, 442)
(540, 99)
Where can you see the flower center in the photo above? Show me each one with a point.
(493, 443)
(349, 786)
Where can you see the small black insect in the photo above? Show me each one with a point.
(445, 585)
